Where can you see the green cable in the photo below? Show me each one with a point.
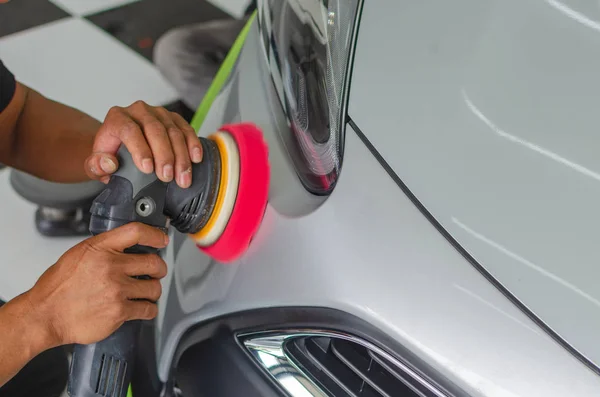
(216, 86)
(221, 76)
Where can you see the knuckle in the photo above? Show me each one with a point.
(163, 112)
(119, 312)
(184, 166)
(129, 129)
(159, 266)
(156, 290)
(174, 132)
(115, 110)
(139, 104)
(91, 246)
(87, 245)
(155, 126)
(183, 161)
(156, 261)
(188, 128)
(163, 271)
(166, 158)
(151, 311)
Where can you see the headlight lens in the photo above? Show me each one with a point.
(308, 43)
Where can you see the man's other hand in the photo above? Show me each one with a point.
(91, 291)
(159, 141)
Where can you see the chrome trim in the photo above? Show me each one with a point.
(267, 349)
(269, 353)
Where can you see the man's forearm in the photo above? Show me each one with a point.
(24, 336)
(52, 140)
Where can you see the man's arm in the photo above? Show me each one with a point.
(52, 141)
(45, 138)
(24, 334)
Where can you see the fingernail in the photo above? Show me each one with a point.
(196, 155)
(107, 165)
(147, 165)
(168, 172)
(185, 178)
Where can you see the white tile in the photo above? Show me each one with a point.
(75, 62)
(88, 7)
(235, 8)
(25, 253)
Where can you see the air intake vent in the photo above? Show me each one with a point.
(344, 368)
(326, 363)
(111, 376)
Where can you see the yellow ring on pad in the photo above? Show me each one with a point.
(227, 193)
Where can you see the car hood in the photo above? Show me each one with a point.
(489, 112)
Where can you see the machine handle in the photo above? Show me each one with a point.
(105, 368)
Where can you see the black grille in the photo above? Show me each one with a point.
(344, 368)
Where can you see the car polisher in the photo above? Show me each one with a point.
(221, 211)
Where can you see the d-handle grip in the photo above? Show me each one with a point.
(104, 368)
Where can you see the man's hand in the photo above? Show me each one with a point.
(157, 139)
(90, 292)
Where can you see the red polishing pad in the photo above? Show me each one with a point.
(252, 194)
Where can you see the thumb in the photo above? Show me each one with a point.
(101, 165)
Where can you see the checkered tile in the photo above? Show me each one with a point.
(140, 24)
(18, 15)
(89, 7)
(90, 54)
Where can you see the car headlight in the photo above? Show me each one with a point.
(308, 45)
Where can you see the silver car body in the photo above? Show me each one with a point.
(463, 222)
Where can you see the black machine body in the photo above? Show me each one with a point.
(105, 368)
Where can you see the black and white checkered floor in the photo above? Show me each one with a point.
(90, 54)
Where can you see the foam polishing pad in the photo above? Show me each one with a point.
(242, 195)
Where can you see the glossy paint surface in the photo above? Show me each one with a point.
(488, 112)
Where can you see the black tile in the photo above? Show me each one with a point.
(140, 24)
(18, 15)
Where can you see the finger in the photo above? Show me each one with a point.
(141, 310)
(156, 136)
(143, 289)
(101, 165)
(183, 164)
(191, 138)
(144, 265)
(129, 235)
(119, 128)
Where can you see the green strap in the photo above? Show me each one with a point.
(222, 76)
(216, 86)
